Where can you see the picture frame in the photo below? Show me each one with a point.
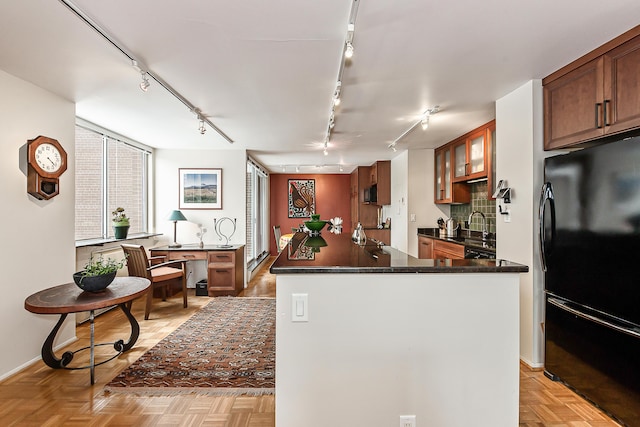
(301, 197)
(200, 188)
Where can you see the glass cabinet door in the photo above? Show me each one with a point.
(460, 157)
(477, 154)
(439, 165)
(447, 174)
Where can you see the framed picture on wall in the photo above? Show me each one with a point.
(302, 198)
(200, 188)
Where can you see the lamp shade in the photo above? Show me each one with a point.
(176, 216)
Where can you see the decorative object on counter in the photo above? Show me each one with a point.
(387, 223)
(302, 198)
(97, 274)
(176, 216)
(452, 227)
(359, 236)
(335, 225)
(231, 229)
(200, 188)
(200, 234)
(120, 223)
(315, 225)
(315, 243)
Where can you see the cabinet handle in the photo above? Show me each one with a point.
(598, 106)
(466, 169)
(606, 122)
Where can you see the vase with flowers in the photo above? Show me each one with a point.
(120, 223)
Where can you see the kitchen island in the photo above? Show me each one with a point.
(366, 334)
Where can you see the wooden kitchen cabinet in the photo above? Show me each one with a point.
(447, 250)
(595, 96)
(445, 190)
(469, 158)
(491, 160)
(380, 173)
(425, 247)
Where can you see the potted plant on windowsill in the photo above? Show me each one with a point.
(120, 223)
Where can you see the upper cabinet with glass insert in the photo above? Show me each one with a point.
(469, 156)
(464, 159)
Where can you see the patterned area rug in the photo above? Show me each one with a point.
(226, 348)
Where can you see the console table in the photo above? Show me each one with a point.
(69, 298)
(225, 265)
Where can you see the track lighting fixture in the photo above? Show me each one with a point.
(201, 127)
(348, 50)
(348, 53)
(425, 122)
(144, 84)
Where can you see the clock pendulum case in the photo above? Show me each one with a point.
(46, 161)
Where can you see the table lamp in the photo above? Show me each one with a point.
(175, 217)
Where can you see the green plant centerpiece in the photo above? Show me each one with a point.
(120, 223)
(97, 274)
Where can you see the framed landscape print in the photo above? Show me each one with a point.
(302, 198)
(200, 188)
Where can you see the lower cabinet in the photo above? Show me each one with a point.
(447, 250)
(425, 247)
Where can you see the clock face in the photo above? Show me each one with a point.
(48, 158)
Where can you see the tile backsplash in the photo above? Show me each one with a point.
(479, 202)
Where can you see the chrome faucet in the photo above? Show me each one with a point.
(485, 232)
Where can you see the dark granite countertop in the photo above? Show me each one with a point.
(472, 239)
(331, 253)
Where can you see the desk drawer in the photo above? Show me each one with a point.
(188, 255)
(224, 257)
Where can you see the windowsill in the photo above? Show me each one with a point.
(100, 242)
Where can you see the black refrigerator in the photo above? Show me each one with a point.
(590, 254)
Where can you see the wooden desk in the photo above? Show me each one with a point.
(69, 298)
(225, 265)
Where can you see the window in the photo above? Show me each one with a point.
(110, 173)
(257, 245)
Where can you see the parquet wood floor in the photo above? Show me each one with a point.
(41, 396)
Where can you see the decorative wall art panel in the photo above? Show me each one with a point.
(302, 198)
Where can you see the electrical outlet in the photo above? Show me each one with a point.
(407, 421)
(506, 215)
(413, 218)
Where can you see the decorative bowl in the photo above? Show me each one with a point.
(315, 225)
(93, 283)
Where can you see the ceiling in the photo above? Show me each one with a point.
(265, 72)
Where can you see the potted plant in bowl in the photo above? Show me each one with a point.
(97, 274)
(120, 223)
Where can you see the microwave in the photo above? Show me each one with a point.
(371, 194)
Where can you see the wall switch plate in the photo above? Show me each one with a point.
(299, 307)
(413, 218)
(407, 421)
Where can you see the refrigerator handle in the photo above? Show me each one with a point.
(546, 195)
(634, 332)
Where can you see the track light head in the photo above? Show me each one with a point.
(348, 51)
(144, 84)
(425, 121)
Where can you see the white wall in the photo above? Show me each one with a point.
(519, 161)
(421, 197)
(399, 195)
(38, 236)
(234, 167)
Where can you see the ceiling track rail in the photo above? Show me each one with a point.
(108, 37)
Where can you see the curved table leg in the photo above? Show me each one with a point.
(48, 356)
(120, 345)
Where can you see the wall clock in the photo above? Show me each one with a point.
(46, 161)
